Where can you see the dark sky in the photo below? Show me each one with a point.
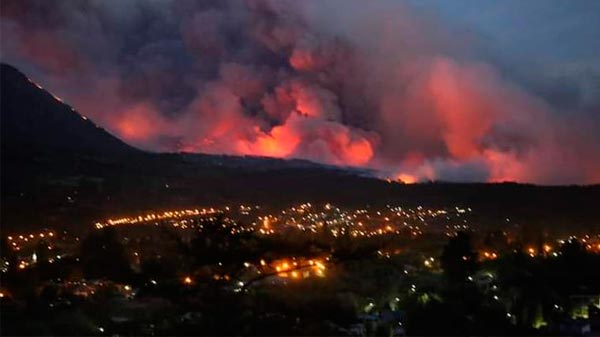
(459, 90)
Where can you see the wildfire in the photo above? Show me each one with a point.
(406, 178)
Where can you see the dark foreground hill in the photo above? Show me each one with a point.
(61, 170)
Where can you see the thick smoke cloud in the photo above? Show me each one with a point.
(381, 85)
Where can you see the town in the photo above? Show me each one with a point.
(410, 262)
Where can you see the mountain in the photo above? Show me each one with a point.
(34, 121)
(59, 169)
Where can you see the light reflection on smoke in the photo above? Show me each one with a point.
(388, 89)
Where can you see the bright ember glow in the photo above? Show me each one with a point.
(390, 89)
(280, 142)
(406, 178)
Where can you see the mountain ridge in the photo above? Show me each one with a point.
(32, 123)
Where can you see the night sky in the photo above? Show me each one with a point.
(452, 90)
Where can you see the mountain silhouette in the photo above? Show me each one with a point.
(34, 121)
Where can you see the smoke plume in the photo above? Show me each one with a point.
(378, 85)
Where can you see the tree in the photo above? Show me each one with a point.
(458, 259)
(103, 255)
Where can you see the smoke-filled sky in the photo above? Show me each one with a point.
(424, 89)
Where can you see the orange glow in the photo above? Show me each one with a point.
(303, 60)
(299, 269)
(505, 167)
(359, 152)
(406, 178)
(459, 102)
(280, 142)
(490, 255)
(187, 280)
(139, 123)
